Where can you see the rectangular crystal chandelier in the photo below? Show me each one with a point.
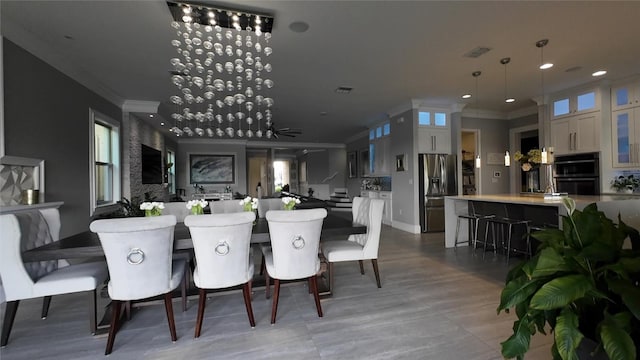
(221, 72)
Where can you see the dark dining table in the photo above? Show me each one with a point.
(87, 244)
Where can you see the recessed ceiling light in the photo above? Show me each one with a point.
(344, 90)
(161, 124)
(150, 115)
(509, 100)
(599, 73)
(546, 66)
(466, 96)
(299, 26)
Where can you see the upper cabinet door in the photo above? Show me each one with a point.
(625, 96)
(579, 103)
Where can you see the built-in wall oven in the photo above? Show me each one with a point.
(578, 174)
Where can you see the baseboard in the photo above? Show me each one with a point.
(414, 229)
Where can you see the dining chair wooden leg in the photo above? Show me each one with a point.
(46, 301)
(202, 300)
(9, 317)
(168, 306)
(361, 266)
(375, 270)
(262, 266)
(276, 295)
(246, 292)
(127, 310)
(316, 296)
(113, 328)
(331, 277)
(267, 286)
(93, 311)
(309, 286)
(250, 289)
(183, 288)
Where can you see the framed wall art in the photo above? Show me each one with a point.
(212, 169)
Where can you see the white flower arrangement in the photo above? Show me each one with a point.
(290, 202)
(152, 208)
(249, 203)
(197, 206)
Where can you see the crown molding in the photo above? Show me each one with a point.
(140, 106)
(400, 109)
(522, 112)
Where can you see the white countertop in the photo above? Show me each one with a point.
(540, 200)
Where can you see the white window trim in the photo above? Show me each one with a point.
(95, 116)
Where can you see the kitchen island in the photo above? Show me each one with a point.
(537, 209)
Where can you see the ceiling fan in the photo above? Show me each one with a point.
(285, 131)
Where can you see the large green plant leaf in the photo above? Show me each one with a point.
(616, 341)
(629, 293)
(549, 263)
(560, 292)
(517, 291)
(550, 238)
(566, 334)
(599, 252)
(518, 343)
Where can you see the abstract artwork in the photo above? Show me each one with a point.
(212, 169)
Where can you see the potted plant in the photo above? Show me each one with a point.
(625, 183)
(581, 284)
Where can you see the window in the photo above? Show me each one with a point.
(372, 134)
(622, 97)
(441, 119)
(587, 101)
(424, 118)
(386, 129)
(379, 132)
(171, 171)
(104, 157)
(561, 107)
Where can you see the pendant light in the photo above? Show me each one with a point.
(476, 75)
(505, 61)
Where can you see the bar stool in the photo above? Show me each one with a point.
(473, 220)
(505, 225)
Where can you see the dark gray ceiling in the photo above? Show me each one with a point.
(389, 52)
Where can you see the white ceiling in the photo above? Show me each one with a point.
(389, 51)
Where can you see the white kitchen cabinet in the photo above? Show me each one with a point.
(625, 130)
(625, 96)
(386, 212)
(380, 154)
(576, 134)
(434, 141)
(578, 103)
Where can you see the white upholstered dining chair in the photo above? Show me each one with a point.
(222, 244)
(21, 281)
(359, 246)
(139, 255)
(295, 238)
(225, 206)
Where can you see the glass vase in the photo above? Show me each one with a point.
(531, 181)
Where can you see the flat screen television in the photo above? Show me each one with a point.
(151, 165)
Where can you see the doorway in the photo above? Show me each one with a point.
(258, 172)
(522, 139)
(470, 174)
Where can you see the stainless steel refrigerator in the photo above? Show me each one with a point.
(437, 179)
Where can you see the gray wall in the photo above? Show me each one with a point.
(211, 147)
(404, 136)
(494, 138)
(47, 117)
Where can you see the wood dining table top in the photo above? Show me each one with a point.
(87, 244)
